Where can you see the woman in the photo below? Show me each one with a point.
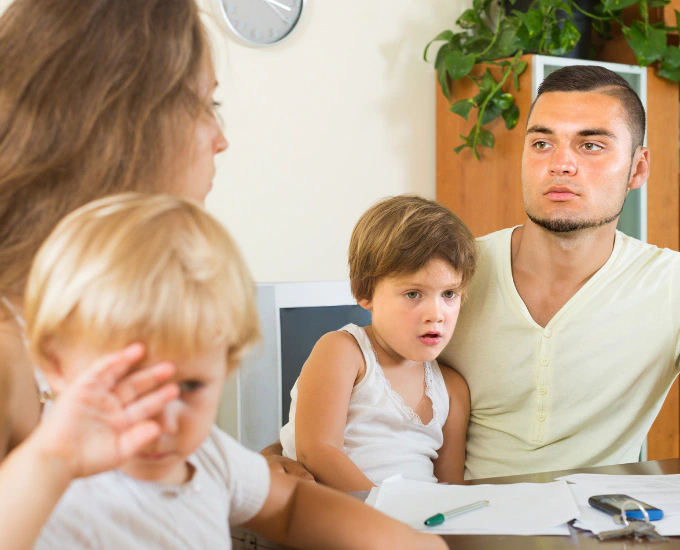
(96, 97)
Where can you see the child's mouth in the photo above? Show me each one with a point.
(431, 338)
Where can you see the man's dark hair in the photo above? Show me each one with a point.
(590, 78)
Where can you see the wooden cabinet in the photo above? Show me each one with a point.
(487, 194)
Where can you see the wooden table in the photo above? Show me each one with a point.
(577, 538)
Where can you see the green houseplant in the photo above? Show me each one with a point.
(499, 35)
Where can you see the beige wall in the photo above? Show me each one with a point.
(320, 127)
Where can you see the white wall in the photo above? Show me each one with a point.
(320, 127)
(323, 125)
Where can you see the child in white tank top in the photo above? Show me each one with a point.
(373, 402)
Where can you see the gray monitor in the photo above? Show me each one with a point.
(293, 317)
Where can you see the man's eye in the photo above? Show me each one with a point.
(592, 147)
(412, 295)
(449, 294)
(189, 386)
(540, 145)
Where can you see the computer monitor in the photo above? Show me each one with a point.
(293, 317)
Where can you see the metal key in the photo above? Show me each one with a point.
(635, 529)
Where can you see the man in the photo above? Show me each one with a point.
(569, 337)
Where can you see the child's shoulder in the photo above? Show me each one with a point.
(340, 344)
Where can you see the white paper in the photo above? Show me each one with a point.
(514, 509)
(662, 491)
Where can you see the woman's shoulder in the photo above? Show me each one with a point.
(19, 405)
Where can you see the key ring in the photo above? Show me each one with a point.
(624, 517)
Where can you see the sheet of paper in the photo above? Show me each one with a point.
(514, 509)
(660, 491)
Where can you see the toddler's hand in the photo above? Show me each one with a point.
(103, 416)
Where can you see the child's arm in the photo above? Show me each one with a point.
(450, 464)
(324, 389)
(307, 515)
(273, 454)
(98, 422)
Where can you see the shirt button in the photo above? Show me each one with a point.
(542, 390)
(540, 417)
(547, 333)
(544, 361)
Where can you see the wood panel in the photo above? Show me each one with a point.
(487, 194)
(663, 229)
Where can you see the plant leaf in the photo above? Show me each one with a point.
(444, 35)
(460, 148)
(503, 101)
(491, 112)
(506, 44)
(648, 43)
(671, 74)
(458, 64)
(485, 138)
(616, 5)
(671, 58)
(511, 117)
(469, 20)
(462, 107)
(569, 36)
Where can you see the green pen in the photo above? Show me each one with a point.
(438, 519)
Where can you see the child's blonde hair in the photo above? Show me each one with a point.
(400, 235)
(132, 267)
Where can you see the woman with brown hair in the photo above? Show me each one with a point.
(96, 97)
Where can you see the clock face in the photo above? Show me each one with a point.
(261, 22)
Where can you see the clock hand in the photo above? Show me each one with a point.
(278, 4)
(272, 3)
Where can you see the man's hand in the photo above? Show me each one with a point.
(279, 463)
(105, 415)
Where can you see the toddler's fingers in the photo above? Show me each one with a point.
(134, 438)
(138, 383)
(112, 367)
(151, 404)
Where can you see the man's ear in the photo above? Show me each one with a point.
(50, 364)
(640, 169)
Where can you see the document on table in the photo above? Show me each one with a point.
(514, 509)
(661, 491)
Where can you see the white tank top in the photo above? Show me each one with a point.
(383, 436)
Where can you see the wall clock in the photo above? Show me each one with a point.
(261, 23)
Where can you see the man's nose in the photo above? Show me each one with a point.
(563, 162)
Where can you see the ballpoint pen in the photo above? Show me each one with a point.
(438, 519)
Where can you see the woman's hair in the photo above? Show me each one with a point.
(135, 267)
(95, 96)
(400, 235)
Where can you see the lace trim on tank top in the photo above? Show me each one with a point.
(396, 396)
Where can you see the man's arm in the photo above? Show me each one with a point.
(279, 463)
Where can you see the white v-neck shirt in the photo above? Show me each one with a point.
(584, 390)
